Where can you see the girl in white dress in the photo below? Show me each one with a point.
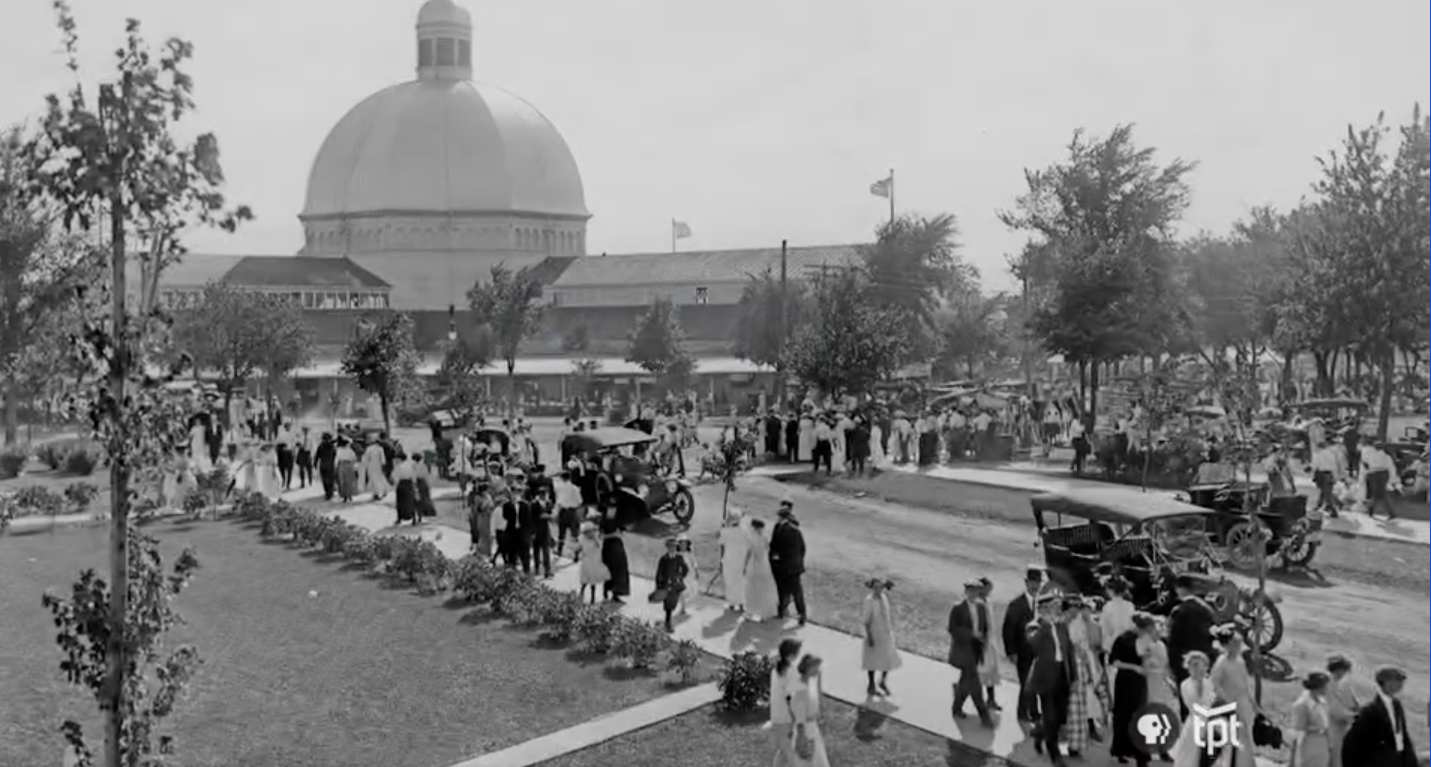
(734, 546)
(693, 576)
(762, 601)
(245, 470)
(269, 484)
(1196, 690)
(880, 654)
(1233, 683)
(591, 571)
(805, 696)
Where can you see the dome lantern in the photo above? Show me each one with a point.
(444, 41)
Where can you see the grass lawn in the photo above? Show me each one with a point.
(358, 674)
(707, 737)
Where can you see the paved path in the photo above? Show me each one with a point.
(923, 687)
(1034, 480)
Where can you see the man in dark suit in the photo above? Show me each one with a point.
(787, 560)
(1378, 736)
(968, 639)
(1016, 643)
(1190, 625)
(1052, 671)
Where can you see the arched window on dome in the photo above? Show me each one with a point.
(446, 52)
(424, 52)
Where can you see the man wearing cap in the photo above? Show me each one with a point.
(1189, 627)
(968, 640)
(1052, 671)
(1016, 643)
(787, 560)
(1378, 736)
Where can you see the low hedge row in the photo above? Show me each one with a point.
(562, 617)
(40, 501)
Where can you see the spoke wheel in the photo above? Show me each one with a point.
(1241, 546)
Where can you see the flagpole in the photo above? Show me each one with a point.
(891, 195)
(673, 235)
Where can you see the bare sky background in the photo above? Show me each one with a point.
(755, 121)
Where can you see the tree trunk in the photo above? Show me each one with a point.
(12, 410)
(1336, 356)
(113, 703)
(1082, 385)
(1090, 419)
(1388, 388)
(1286, 385)
(511, 388)
(1324, 374)
(383, 403)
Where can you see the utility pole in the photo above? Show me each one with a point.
(784, 320)
(1028, 341)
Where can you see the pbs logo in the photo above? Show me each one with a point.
(1155, 728)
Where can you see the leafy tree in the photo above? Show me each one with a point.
(849, 342)
(585, 371)
(657, 345)
(970, 332)
(113, 157)
(1375, 234)
(460, 374)
(236, 333)
(912, 264)
(767, 312)
(383, 360)
(1107, 213)
(508, 304)
(39, 271)
(578, 339)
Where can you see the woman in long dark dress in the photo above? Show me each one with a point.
(613, 554)
(406, 491)
(1130, 691)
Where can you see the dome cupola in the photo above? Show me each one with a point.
(444, 41)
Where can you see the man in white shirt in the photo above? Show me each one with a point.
(1080, 445)
(568, 505)
(1324, 476)
(1116, 617)
(1377, 470)
(287, 441)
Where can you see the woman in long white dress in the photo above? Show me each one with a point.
(1196, 690)
(1233, 683)
(762, 601)
(805, 694)
(1311, 724)
(199, 449)
(877, 456)
(734, 546)
(806, 440)
(879, 654)
(269, 485)
(245, 470)
(374, 480)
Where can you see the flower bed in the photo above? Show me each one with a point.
(561, 616)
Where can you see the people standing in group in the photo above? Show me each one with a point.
(670, 581)
(969, 622)
(787, 561)
(879, 653)
(1378, 736)
(762, 599)
(782, 710)
(734, 538)
(1052, 674)
(1310, 724)
(345, 463)
(1022, 611)
(805, 694)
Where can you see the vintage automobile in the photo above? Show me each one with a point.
(1148, 539)
(1290, 534)
(627, 471)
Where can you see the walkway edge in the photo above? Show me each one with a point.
(599, 730)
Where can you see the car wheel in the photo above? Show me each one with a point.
(1241, 549)
(683, 506)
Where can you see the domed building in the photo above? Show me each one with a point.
(430, 182)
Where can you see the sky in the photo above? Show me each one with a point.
(757, 121)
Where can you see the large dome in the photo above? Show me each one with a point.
(444, 146)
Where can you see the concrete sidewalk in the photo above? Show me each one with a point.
(923, 688)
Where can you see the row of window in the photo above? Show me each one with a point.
(444, 52)
(308, 299)
(702, 297)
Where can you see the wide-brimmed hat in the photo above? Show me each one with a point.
(878, 581)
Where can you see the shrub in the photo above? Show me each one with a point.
(37, 500)
(639, 643)
(522, 604)
(745, 682)
(51, 454)
(251, 506)
(559, 615)
(81, 494)
(595, 628)
(7, 512)
(335, 539)
(683, 660)
(80, 461)
(12, 461)
(194, 503)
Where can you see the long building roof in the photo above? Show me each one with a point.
(698, 267)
